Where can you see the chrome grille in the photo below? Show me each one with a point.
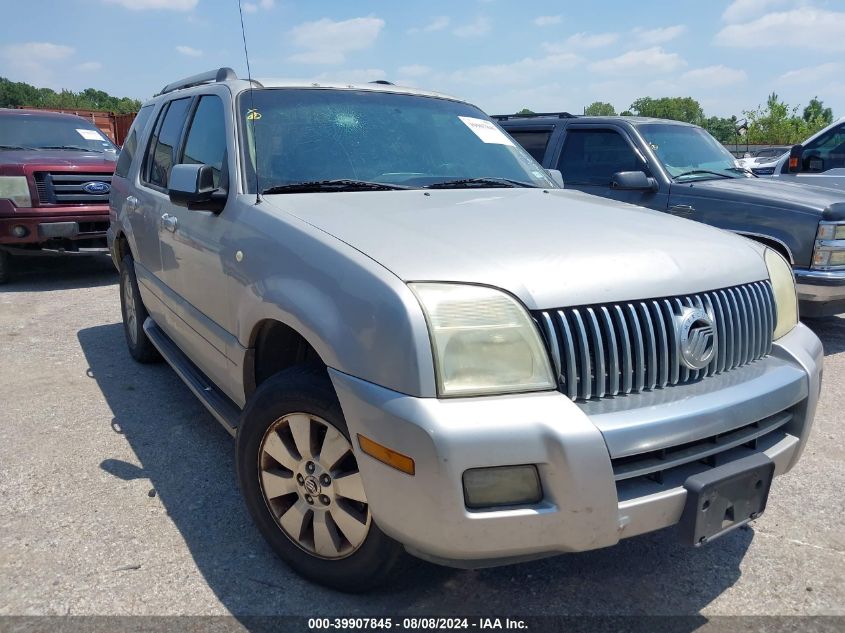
(608, 350)
(66, 187)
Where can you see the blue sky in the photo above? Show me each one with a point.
(499, 54)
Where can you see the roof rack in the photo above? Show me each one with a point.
(559, 115)
(221, 74)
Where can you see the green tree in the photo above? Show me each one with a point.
(13, 94)
(626, 113)
(600, 108)
(777, 123)
(526, 111)
(675, 108)
(816, 114)
(723, 129)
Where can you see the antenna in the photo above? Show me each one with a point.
(252, 114)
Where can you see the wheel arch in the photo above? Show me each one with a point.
(772, 242)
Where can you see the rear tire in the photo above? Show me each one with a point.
(5, 266)
(299, 477)
(134, 314)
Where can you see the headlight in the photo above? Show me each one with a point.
(484, 341)
(16, 189)
(829, 249)
(783, 286)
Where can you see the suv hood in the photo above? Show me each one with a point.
(552, 249)
(57, 157)
(770, 192)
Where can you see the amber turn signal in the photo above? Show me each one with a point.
(386, 455)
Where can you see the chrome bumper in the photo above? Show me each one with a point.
(573, 447)
(821, 292)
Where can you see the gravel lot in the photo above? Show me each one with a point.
(118, 496)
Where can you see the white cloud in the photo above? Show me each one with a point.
(800, 28)
(581, 41)
(36, 51)
(437, 24)
(813, 74)
(658, 35)
(88, 66)
(547, 20)
(740, 10)
(713, 76)
(351, 76)
(476, 28)
(328, 42)
(33, 62)
(525, 71)
(644, 61)
(253, 7)
(188, 51)
(140, 5)
(414, 70)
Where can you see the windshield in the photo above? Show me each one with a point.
(33, 131)
(690, 153)
(375, 138)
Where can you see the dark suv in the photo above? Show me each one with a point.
(681, 169)
(55, 179)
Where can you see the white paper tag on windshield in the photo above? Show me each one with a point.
(89, 135)
(486, 131)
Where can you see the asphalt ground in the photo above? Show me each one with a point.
(118, 497)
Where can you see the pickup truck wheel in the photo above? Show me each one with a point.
(134, 315)
(5, 266)
(299, 477)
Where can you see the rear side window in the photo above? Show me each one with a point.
(130, 146)
(165, 142)
(206, 140)
(591, 157)
(534, 141)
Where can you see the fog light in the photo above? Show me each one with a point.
(20, 231)
(502, 486)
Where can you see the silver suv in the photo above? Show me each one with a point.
(421, 343)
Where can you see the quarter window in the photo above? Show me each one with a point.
(534, 141)
(165, 142)
(206, 141)
(591, 157)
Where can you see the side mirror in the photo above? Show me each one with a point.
(556, 176)
(795, 153)
(633, 181)
(192, 186)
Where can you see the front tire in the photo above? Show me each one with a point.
(299, 477)
(134, 314)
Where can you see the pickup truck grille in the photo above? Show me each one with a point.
(607, 350)
(66, 188)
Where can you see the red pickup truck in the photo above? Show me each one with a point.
(55, 179)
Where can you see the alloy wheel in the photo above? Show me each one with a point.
(311, 484)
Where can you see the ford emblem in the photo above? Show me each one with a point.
(96, 187)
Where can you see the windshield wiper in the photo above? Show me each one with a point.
(71, 147)
(693, 172)
(466, 183)
(15, 147)
(742, 170)
(332, 185)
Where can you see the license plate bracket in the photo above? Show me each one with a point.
(725, 498)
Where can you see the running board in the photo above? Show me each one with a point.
(218, 404)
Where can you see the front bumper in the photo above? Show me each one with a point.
(820, 293)
(60, 232)
(572, 446)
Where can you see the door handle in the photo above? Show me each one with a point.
(682, 209)
(169, 222)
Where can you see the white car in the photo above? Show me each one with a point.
(820, 160)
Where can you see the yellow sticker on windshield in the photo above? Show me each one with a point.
(253, 115)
